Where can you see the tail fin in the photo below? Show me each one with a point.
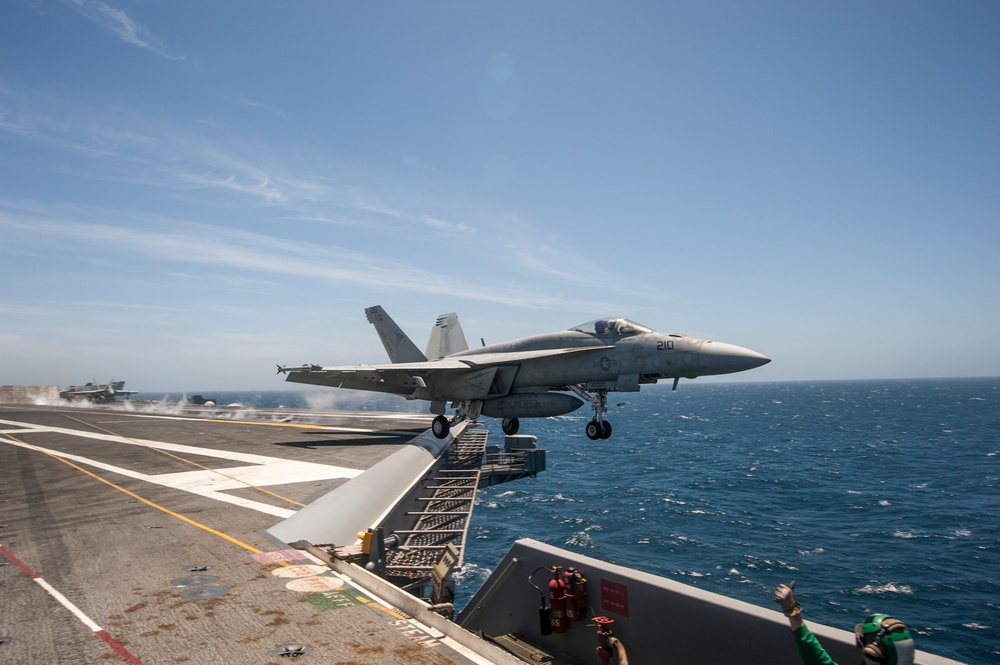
(446, 337)
(396, 343)
(118, 385)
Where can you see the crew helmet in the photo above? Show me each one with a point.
(884, 640)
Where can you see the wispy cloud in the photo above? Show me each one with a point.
(123, 147)
(256, 254)
(409, 160)
(120, 24)
(266, 106)
(119, 146)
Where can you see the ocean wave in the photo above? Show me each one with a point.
(581, 539)
(471, 574)
(691, 573)
(890, 587)
(558, 496)
(975, 626)
(906, 535)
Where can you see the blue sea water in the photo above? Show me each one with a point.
(872, 495)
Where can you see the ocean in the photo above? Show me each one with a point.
(874, 496)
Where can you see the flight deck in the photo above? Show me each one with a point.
(136, 537)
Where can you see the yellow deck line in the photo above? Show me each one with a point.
(215, 532)
(135, 496)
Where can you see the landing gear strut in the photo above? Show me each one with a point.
(598, 428)
(468, 410)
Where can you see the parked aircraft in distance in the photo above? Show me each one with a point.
(97, 393)
(530, 377)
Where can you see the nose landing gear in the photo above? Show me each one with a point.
(598, 428)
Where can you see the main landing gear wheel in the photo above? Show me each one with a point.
(441, 427)
(510, 426)
(598, 430)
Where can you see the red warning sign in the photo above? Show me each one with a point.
(614, 597)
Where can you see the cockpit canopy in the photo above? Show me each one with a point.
(611, 326)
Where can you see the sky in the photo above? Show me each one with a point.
(192, 192)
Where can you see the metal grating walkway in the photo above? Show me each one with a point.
(445, 512)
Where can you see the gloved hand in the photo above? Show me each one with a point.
(784, 595)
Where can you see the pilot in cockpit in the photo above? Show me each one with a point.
(613, 327)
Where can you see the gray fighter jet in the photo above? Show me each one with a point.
(93, 392)
(534, 377)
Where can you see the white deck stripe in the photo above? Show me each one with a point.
(77, 612)
(166, 480)
(164, 445)
(207, 483)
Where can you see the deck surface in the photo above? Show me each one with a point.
(149, 526)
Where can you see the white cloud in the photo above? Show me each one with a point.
(120, 24)
(124, 148)
(256, 254)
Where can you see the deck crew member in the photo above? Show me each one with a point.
(881, 639)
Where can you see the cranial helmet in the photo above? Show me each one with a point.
(884, 641)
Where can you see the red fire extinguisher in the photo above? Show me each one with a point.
(569, 578)
(576, 595)
(557, 601)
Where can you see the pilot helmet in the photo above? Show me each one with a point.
(884, 640)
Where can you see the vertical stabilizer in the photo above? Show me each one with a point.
(446, 337)
(396, 343)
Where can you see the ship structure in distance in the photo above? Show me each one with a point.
(94, 392)
(541, 376)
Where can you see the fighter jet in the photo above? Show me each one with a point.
(534, 377)
(95, 393)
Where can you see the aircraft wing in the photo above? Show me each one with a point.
(514, 357)
(455, 377)
(450, 364)
(396, 378)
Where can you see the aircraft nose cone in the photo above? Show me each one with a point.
(722, 358)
